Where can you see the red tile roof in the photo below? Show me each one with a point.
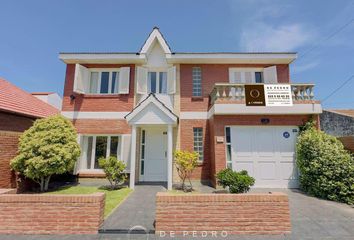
(347, 112)
(16, 100)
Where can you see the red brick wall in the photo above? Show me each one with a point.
(187, 142)
(8, 150)
(218, 123)
(97, 103)
(232, 213)
(15, 123)
(51, 214)
(211, 74)
(11, 127)
(104, 126)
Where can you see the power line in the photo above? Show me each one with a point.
(327, 38)
(338, 88)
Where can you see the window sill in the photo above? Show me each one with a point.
(200, 163)
(115, 95)
(197, 99)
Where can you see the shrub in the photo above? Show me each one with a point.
(114, 170)
(237, 182)
(326, 168)
(48, 147)
(185, 163)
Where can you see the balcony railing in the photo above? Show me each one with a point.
(236, 91)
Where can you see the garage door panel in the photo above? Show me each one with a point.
(288, 171)
(248, 166)
(267, 170)
(242, 142)
(264, 142)
(267, 153)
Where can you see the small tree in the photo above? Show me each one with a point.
(185, 163)
(48, 147)
(114, 170)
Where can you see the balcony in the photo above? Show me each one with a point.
(229, 98)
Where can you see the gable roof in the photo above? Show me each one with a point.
(177, 57)
(155, 35)
(345, 112)
(15, 100)
(151, 98)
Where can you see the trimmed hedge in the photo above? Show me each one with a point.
(326, 168)
(237, 182)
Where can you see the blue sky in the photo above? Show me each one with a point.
(34, 32)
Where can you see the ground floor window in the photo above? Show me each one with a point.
(198, 142)
(101, 146)
(228, 147)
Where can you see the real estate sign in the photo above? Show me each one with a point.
(268, 95)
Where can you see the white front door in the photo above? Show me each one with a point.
(153, 164)
(267, 153)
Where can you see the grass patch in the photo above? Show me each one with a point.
(113, 197)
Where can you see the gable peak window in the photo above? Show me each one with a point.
(157, 82)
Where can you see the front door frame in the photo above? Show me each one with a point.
(133, 157)
(144, 131)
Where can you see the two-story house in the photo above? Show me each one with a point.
(142, 106)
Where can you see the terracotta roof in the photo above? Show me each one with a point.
(346, 112)
(16, 100)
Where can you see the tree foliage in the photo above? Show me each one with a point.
(48, 147)
(237, 182)
(326, 168)
(185, 163)
(114, 170)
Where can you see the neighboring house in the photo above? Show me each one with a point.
(142, 106)
(51, 98)
(339, 123)
(18, 110)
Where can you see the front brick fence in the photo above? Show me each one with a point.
(51, 214)
(217, 214)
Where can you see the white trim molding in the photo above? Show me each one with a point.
(193, 115)
(242, 109)
(93, 115)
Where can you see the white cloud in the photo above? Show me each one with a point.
(265, 37)
(304, 67)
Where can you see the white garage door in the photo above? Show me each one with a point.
(267, 153)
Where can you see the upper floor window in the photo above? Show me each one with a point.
(101, 80)
(258, 77)
(105, 82)
(197, 81)
(253, 75)
(157, 82)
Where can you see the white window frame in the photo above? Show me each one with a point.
(157, 71)
(108, 150)
(228, 161)
(99, 71)
(197, 90)
(243, 71)
(201, 156)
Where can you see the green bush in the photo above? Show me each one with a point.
(237, 182)
(326, 168)
(114, 170)
(49, 147)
